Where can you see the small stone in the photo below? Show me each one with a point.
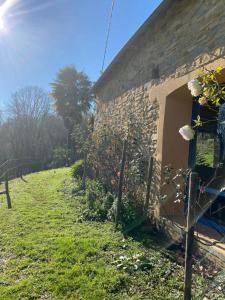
(154, 137)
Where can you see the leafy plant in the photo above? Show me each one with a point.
(77, 169)
(135, 262)
(60, 157)
(131, 213)
(98, 202)
(94, 193)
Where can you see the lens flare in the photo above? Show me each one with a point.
(2, 24)
(4, 9)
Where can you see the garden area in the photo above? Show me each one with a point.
(112, 182)
(50, 249)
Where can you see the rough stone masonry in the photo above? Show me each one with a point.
(180, 37)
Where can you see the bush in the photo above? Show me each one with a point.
(131, 213)
(60, 157)
(77, 169)
(98, 202)
(101, 205)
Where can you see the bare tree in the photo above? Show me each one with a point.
(31, 130)
(29, 102)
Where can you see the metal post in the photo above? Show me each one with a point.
(192, 196)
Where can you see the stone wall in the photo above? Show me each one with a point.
(137, 107)
(189, 34)
(134, 104)
(186, 37)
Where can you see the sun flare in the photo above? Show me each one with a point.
(4, 9)
(2, 25)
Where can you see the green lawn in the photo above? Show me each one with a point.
(46, 254)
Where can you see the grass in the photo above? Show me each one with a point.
(46, 254)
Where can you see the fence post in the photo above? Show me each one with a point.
(149, 182)
(84, 171)
(120, 188)
(7, 192)
(192, 196)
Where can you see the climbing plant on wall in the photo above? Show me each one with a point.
(105, 158)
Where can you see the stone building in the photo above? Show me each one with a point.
(154, 67)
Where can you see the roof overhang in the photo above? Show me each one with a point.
(158, 13)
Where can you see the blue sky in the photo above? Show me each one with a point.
(42, 36)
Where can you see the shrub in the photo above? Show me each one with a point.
(60, 157)
(108, 201)
(94, 193)
(131, 213)
(101, 205)
(98, 202)
(77, 169)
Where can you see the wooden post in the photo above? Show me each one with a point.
(149, 182)
(7, 192)
(84, 172)
(192, 196)
(120, 188)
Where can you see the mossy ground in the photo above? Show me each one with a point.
(46, 254)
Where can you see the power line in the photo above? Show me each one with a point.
(108, 32)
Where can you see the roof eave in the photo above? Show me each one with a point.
(153, 18)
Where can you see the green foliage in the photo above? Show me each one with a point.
(72, 96)
(106, 152)
(60, 157)
(212, 90)
(77, 169)
(98, 202)
(205, 150)
(46, 254)
(136, 262)
(105, 155)
(108, 201)
(204, 159)
(105, 158)
(198, 122)
(81, 135)
(101, 205)
(132, 215)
